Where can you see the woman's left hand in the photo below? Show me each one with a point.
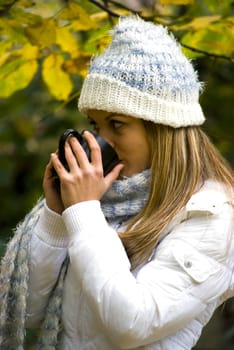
(85, 180)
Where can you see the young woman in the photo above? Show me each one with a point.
(142, 257)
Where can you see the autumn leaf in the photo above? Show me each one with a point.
(44, 34)
(78, 65)
(211, 39)
(18, 70)
(56, 79)
(67, 41)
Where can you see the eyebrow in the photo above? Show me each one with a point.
(110, 115)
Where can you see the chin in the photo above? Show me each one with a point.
(128, 173)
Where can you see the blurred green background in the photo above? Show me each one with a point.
(35, 107)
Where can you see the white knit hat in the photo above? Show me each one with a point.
(143, 74)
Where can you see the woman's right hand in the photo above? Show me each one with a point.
(51, 191)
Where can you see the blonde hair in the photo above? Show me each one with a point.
(181, 160)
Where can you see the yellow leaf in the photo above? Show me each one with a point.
(197, 23)
(43, 34)
(84, 25)
(99, 16)
(28, 51)
(16, 75)
(57, 80)
(66, 40)
(4, 57)
(4, 51)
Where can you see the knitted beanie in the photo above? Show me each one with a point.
(143, 74)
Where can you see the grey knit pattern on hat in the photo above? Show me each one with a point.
(144, 74)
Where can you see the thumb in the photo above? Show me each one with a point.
(114, 174)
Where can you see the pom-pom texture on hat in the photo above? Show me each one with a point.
(143, 74)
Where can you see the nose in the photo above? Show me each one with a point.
(106, 135)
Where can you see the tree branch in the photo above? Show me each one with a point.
(116, 3)
(108, 10)
(103, 7)
(6, 8)
(114, 14)
(214, 55)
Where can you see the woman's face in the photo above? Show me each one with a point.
(127, 136)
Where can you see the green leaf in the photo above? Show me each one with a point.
(98, 39)
(219, 6)
(26, 3)
(211, 39)
(80, 19)
(5, 3)
(56, 79)
(11, 29)
(24, 17)
(18, 70)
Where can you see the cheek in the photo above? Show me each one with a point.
(137, 150)
(144, 153)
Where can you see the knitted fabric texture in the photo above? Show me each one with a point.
(14, 276)
(124, 199)
(143, 74)
(14, 285)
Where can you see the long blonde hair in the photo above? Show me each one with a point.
(181, 160)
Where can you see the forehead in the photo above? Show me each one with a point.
(93, 113)
(98, 115)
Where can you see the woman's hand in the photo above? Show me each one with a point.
(51, 190)
(85, 180)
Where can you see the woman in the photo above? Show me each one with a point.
(140, 258)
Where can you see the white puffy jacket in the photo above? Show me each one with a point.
(163, 305)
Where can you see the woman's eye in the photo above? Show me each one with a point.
(116, 124)
(93, 126)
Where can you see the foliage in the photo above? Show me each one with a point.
(57, 39)
(45, 47)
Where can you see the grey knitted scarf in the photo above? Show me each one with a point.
(124, 200)
(126, 197)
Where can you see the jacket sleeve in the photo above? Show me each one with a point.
(48, 249)
(189, 270)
